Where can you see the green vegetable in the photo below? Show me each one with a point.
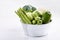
(35, 14)
(33, 9)
(23, 16)
(34, 22)
(22, 21)
(29, 15)
(39, 22)
(37, 18)
(20, 16)
(46, 17)
(29, 8)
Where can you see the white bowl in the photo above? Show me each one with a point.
(36, 30)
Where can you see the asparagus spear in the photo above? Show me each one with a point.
(25, 17)
(20, 16)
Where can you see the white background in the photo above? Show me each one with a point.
(11, 28)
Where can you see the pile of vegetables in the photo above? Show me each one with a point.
(30, 15)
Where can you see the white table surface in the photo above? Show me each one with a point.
(11, 28)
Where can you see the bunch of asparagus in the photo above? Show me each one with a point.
(30, 15)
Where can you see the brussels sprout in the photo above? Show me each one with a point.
(29, 8)
(33, 9)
